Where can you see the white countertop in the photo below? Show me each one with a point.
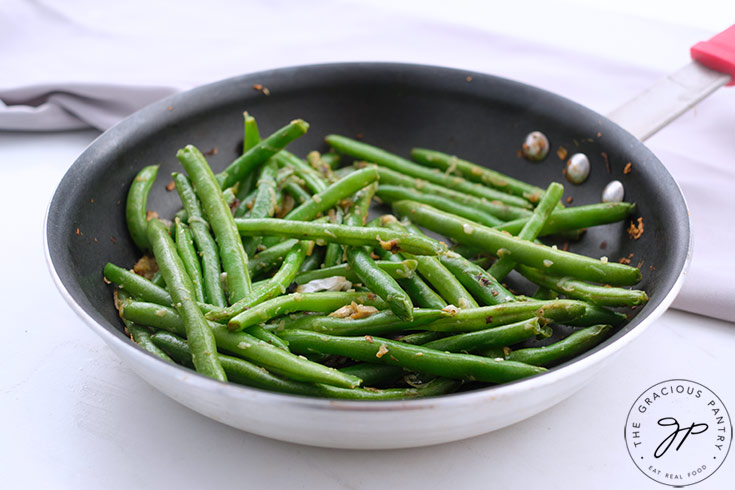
(73, 416)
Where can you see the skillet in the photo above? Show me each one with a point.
(478, 117)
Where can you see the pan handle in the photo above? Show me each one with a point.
(667, 99)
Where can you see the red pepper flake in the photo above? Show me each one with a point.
(95, 239)
(562, 153)
(78, 232)
(603, 245)
(91, 201)
(519, 154)
(359, 136)
(211, 152)
(171, 186)
(607, 161)
(258, 86)
(628, 168)
(113, 239)
(640, 264)
(570, 199)
(599, 134)
(170, 108)
(468, 79)
(369, 338)
(565, 246)
(651, 268)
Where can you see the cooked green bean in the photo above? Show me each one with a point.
(331, 159)
(251, 136)
(290, 303)
(401, 269)
(137, 286)
(416, 358)
(314, 181)
(421, 338)
(295, 190)
(477, 173)
(200, 338)
(470, 320)
(572, 288)
(347, 235)
(325, 168)
(392, 193)
(139, 334)
(531, 229)
(313, 261)
(578, 217)
(261, 152)
(566, 348)
(264, 204)
(273, 287)
(243, 345)
(374, 374)
(249, 374)
(335, 252)
(432, 270)
(477, 281)
(232, 253)
(205, 243)
(363, 151)
(380, 323)
(517, 208)
(188, 254)
(270, 257)
(523, 252)
(491, 337)
(136, 205)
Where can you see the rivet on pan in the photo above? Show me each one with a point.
(578, 168)
(613, 192)
(536, 146)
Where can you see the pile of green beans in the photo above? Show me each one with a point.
(272, 276)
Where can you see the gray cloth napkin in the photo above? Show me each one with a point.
(58, 107)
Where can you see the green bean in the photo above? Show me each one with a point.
(232, 253)
(270, 257)
(314, 181)
(188, 254)
(325, 168)
(572, 288)
(262, 334)
(249, 374)
(248, 200)
(139, 334)
(203, 240)
(333, 194)
(157, 279)
(470, 320)
(251, 136)
(335, 252)
(477, 281)
(331, 159)
(531, 229)
(265, 202)
(491, 337)
(200, 338)
(477, 173)
(445, 283)
(137, 286)
(380, 323)
(347, 235)
(273, 287)
(517, 207)
(544, 293)
(313, 261)
(136, 205)
(421, 338)
(361, 262)
(401, 269)
(575, 344)
(392, 193)
(594, 315)
(261, 152)
(295, 190)
(374, 374)
(420, 359)
(243, 345)
(578, 217)
(421, 294)
(523, 252)
(381, 157)
(283, 305)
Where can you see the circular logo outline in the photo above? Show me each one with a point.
(636, 403)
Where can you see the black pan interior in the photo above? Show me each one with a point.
(477, 117)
